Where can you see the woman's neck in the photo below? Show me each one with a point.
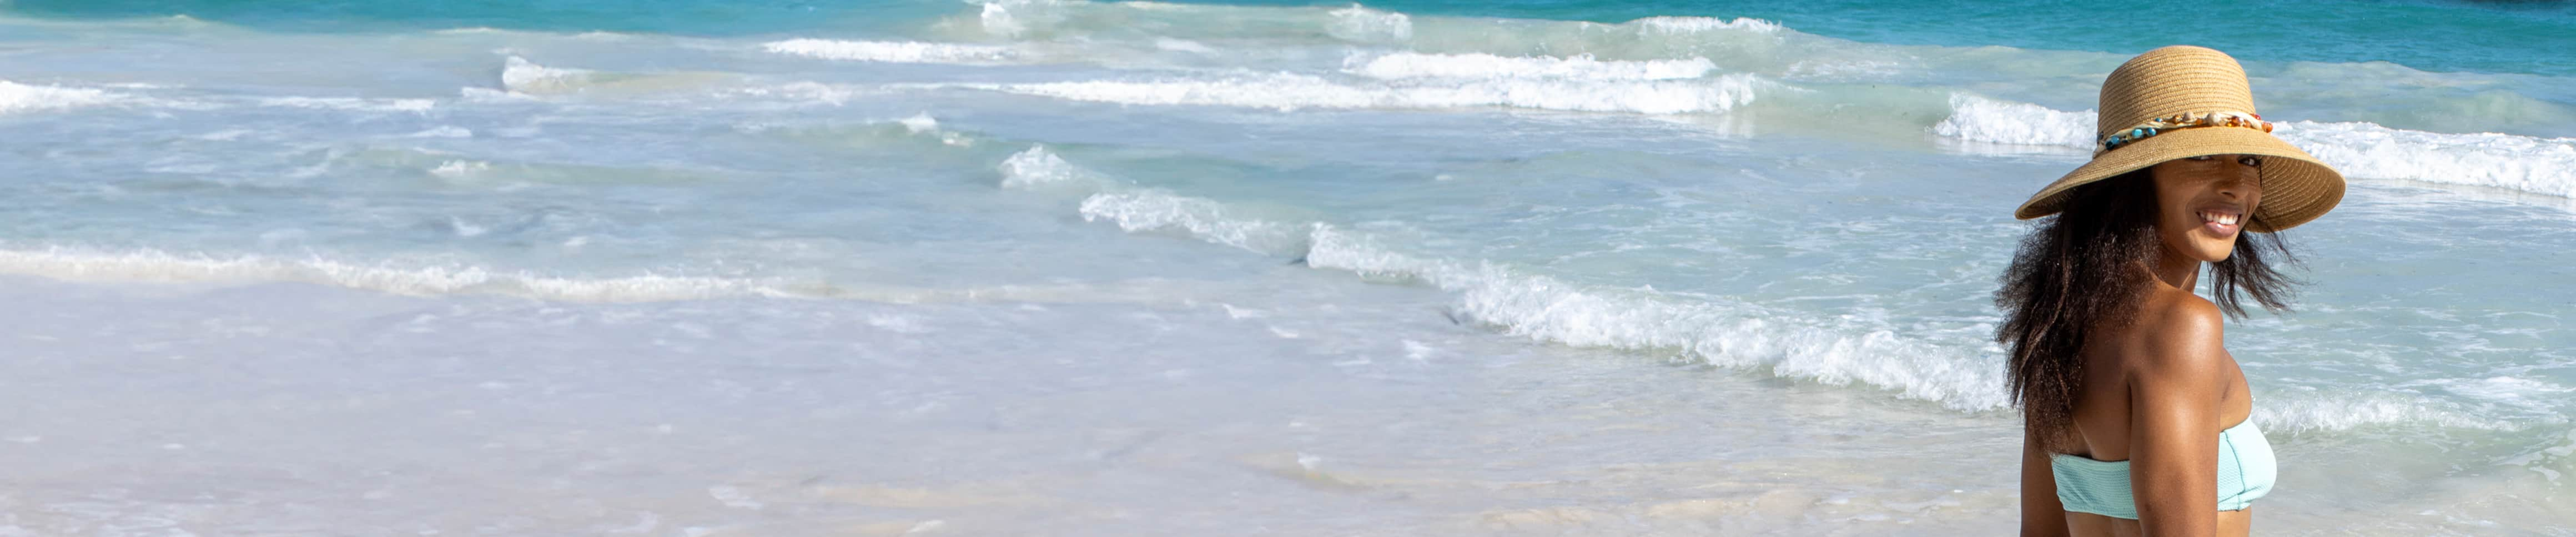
(2178, 270)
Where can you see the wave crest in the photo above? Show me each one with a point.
(1683, 25)
(1979, 119)
(1404, 65)
(1036, 167)
(2522, 163)
(1290, 91)
(1205, 219)
(518, 75)
(1716, 331)
(2296, 413)
(15, 97)
(890, 51)
(1362, 24)
(155, 266)
(416, 106)
(2358, 149)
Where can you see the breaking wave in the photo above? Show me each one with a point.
(2522, 163)
(890, 51)
(519, 75)
(1293, 91)
(1062, 20)
(1712, 330)
(2358, 149)
(353, 104)
(15, 97)
(1716, 331)
(1362, 24)
(1405, 65)
(1682, 25)
(1148, 210)
(155, 266)
(1979, 119)
(2307, 412)
(1038, 168)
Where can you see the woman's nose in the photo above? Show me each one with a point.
(2241, 181)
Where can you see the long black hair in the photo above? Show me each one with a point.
(2086, 269)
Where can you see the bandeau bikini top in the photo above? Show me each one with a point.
(2245, 472)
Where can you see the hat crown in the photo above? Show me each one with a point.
(2209, 86)
(2168, 81)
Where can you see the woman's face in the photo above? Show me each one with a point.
(2203, 202)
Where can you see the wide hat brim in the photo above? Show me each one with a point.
(2296, 187)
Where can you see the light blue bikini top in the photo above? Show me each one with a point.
(2245, 472)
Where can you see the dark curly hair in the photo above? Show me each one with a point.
(2087, 269)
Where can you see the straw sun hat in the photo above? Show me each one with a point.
(2185, 101)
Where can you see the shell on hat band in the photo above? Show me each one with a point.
(2184, 121)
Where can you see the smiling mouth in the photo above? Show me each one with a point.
(2222, 223)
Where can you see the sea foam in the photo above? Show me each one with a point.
(1205, 219)
(519, 75)
(1148, 210)
(1979, 119)
(1293, 91)
(416, 106)
(2296, 412)
(1713, 330)
(2523, 163)
(890, 51)
(1405, 65)
(1678, 25)
(919, 123)
(15, 97)
(156, 266)
(1356, 23)
(1717, 331)
(997, 19)
(1038, 168)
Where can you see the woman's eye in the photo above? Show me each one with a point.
(2202, 157)
(2251, 161)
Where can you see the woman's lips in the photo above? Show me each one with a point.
(2221, 223)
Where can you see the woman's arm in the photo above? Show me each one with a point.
(2174, 392)
(2041, 514)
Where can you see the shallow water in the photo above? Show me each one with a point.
(1118, 268)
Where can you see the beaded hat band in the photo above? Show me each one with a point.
(2184, 101)
(2184, 121)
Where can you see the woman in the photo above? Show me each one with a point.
(2135, 417)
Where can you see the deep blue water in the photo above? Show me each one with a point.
(2503, 37)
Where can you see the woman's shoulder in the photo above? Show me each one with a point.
(2177, 332)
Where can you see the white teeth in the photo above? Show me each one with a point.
(2227, 219)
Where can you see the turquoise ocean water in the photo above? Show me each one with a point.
(2496, 36)
(1117, 268)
